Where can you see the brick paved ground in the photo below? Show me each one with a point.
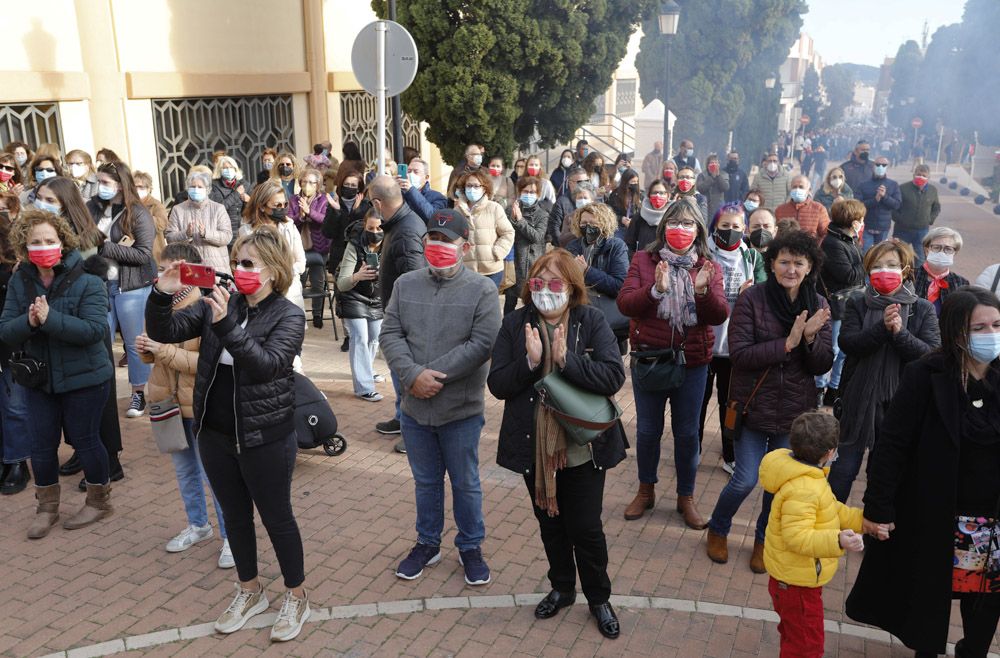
(96, 591)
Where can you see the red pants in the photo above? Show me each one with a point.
(801, 613)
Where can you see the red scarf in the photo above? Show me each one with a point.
(230, 183)
(937, 283)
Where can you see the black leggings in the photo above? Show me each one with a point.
(979, 624)
(719, 374)
(260, 476)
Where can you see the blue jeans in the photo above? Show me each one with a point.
(846, 468)
(128, 312)
(832, 378)
(363, 346)
(397, 388)
(685, 414)
(496, 278)
(191, 481)
(14, 434)
(78, 415)
(750, 449)
(915, 238)
(872, 238)
(433, 451)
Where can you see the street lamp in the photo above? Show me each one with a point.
(670, 14)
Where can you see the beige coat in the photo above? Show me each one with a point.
(212, 241)
(491, 235)
(175, 367)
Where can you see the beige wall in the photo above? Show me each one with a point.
(42, 36)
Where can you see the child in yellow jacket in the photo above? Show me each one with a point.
(807, 531)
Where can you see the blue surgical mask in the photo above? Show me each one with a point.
(48, 207)
(477, 159)
(473, 194)
(416, 180)
(750, 205)
(43, 175)
(268, 166)
(984, 348)
(106, 192)
(580, 203)
(197, 194)
(880, 170)
(528, 199)
(798, 194)
(229, 173)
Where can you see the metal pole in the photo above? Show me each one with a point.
(397, 111)
(380, 29)
(937, 165)
(667, 150)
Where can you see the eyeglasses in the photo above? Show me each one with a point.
(245, 264)
(686, 224)
(473, 187)
(554, 285)
(938, 248)
(685, 177)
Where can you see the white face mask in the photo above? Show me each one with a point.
(940, 259)
(772, 167)
(566, 162)
(143, 193)
(78, 170)
(416, 180)
(547, 301)
(836, 183)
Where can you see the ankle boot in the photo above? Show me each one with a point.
(757, 559)
(692, 519)
(717, 548)
(96, 507)
(643, 501)
(47, 511)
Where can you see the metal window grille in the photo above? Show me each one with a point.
(360, 125)
(33, 124)
(188, 130)
(625, 97)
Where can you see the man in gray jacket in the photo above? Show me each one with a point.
(437, 336)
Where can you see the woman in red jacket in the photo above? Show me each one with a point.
(673, 295)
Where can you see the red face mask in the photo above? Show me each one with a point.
(533, 170)
(713, 168)
(496, 171)
(668, 176)
(5, 175)
(680, 239)
(658, 200)
(885, 281)
(44, 256)
(247, 282)
(920, 181)
(441, 255)
(685, 185)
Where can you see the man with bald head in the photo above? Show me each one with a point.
(402, 252)
(811, 215)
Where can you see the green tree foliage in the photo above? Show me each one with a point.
(719, 59)
(504, 72)
(839, 84)
(812, 99)
(905, 79)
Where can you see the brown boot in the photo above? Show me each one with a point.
(47, 511)
(692, 519)
(717, 548)
(757, 559)
(96, 507)
(643, 501)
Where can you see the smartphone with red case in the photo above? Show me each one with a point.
(200, 276)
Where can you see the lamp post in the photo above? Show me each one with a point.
(670, 13)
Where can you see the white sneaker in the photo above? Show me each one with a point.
(729, 467)
(294, 612)
(244, 606)
(226, 560)
(190, 536)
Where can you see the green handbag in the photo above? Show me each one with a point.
(583, 414)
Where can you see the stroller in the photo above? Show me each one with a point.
(315, 422)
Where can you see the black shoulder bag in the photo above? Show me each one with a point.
(25, 369)
(659, 371)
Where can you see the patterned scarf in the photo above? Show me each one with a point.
(677, 306)
(550, 437)
(937, 283)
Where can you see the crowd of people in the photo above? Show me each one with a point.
(779, 292)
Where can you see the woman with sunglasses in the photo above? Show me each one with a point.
(556, 330)
(934, 279)
(268, 207)
(244, 395)
(674, 295)
(41, 168)
(10, 174)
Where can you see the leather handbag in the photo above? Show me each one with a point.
(583, 414)
(28, 371)
(168, 426)
(736, 412)
(609, 307)
(658, 371)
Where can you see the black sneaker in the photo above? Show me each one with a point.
(346, 345)
(318, 323)
(388, 427)
(831, 397)
(476, 571)
(400, 447)
(138, 405)
(421, 556)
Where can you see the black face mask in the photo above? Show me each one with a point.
(864, 156)
(732, 165)
(760, 238)
(278, 214)
(348, 192)
(285, 170)
(728, 238)
(373, 237)
(633, 187)
(591, 233)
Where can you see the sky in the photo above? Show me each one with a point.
(868, 31)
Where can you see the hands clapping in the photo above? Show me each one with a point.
(38, 312)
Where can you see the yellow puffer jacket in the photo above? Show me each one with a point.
(175, 367)
(491, 235)
(801, 545)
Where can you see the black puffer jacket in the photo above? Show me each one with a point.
(364, 300)
(231, 200)
(337, 226)
(842, 268)
(262, 353)
(592, 362)
(402, 248)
